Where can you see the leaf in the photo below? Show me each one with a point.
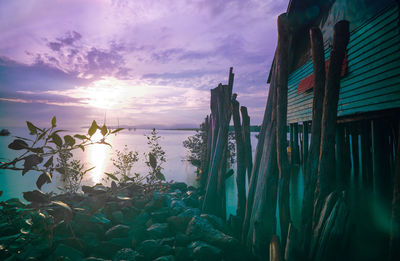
(49, 162)
(160, 176)
(93, 128)
(30, 162)
(45, 177)
(35, 196)
(81, 137)
(112, 176)
(69, 140)
(62, 205)
(105, 143)
(22, 138)
(61, 170)
(117, 130)
(36, 150)
(32, 128)
(57, 139)
(86, 171)
(63, 210)
(152, 160)
(82, 147)
(103, 130)
(53, 121)
(18, 145)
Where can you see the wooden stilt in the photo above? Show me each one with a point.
(340, 144)
(355, 155)
(305, 144)
(281, 123)
(291, 143)
(296, 150)
(311, 166)
(366, 156)
(246, 140)
(394, 247)
(240, 159)
(326, 181)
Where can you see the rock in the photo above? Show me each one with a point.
(91, 239)
(117, 217)
(168, 241)
(152, 249)
(159, 230)
(66, 251)
(165, 258)
(177, 206)
(140, 203)
(123, 242)
(178, 223)
(216, 222)
(190, 212)
(94, 259)
(203, 251)
(178, 185)
(105, 249)
(181, 239)
(200, 228)
(117, 231)
(183, 254)
(160, 215)
(127, 254)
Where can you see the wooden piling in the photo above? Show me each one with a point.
(305, 144)
(355, 154)
(311, 166)
(240, 159)
(339, 152)
(281, 123)
(326, 181)
(295, 149)
(366, 156)
(394, 247)
(247, 141)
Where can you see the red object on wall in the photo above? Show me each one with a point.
(308, 82)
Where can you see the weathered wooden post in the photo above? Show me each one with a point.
(394, 249)
(240, 159)
(282, 74)
(326, 181)
(339, 152)
(214, 199)
(295, 149)
(246, 139)
(366, 155)
(305, 144)
(311, 166)
(264, 168)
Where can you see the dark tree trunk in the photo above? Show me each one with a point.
(305, 144)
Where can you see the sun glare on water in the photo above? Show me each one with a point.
(98, 155)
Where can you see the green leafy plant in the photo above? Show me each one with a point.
(71, 170)
(197, 147)
(38, 154)
(123, 163)
(154, 158)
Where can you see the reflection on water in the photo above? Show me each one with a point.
(12, 183)
(98, 156)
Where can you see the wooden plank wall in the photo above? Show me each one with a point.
(372, 81)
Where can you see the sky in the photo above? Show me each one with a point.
(145, 63)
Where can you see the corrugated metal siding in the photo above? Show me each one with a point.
(372, 81)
